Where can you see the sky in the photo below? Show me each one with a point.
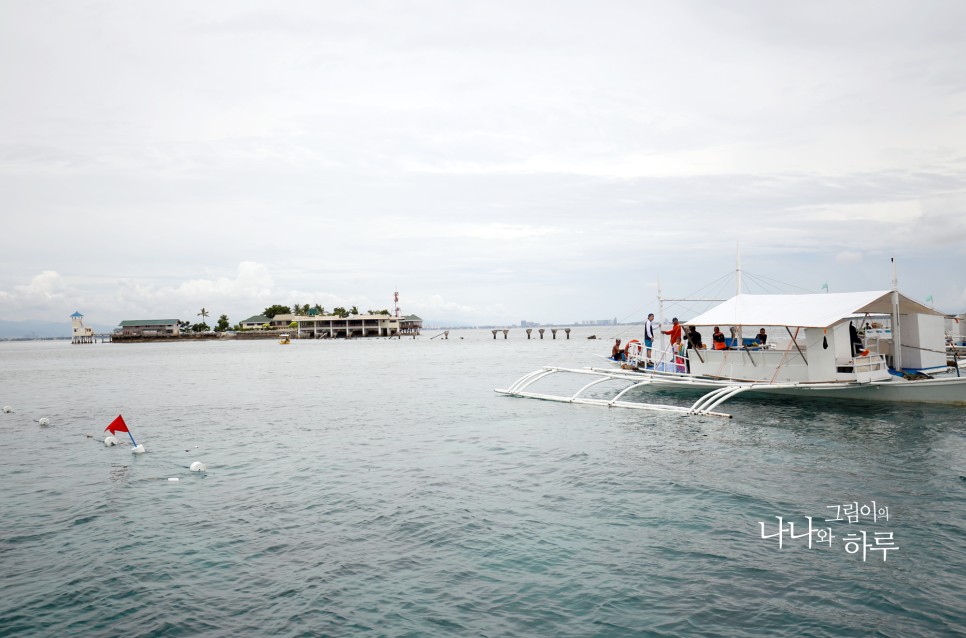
(548, 161)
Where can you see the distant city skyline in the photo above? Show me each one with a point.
(548, 160)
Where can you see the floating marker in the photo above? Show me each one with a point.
(198, 466)
(44, 421)
(7, 409)
(109, 441)
(118, 425)
(174, 479)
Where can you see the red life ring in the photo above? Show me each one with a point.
(628, 353)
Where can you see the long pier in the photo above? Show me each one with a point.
(105, 337)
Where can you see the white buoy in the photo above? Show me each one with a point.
(44, 421)
(109, 441)
(7, 409)
(137, 449)
(174, 479)
(198, 466)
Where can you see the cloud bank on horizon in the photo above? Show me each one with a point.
(548, 161)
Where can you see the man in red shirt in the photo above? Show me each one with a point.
(675, 332)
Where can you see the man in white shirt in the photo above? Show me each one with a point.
(649, 326)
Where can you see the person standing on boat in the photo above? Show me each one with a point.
(855, 339)
(675, 332)
(649, 333)
(762, 337)
(616, 353)
(718, 339)
(694, 343)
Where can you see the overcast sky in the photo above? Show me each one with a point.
(493, 161)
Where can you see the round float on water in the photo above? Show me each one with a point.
(137, 449)
(109, 441)
(7, 409)
(198, 466)
(43, 421)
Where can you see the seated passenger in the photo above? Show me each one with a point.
(762, 337)
(718, 339)
(616, 353)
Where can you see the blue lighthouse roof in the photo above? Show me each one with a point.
(76, 314)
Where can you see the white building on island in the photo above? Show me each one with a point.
(79, 332)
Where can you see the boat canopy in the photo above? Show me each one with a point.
(806, 311)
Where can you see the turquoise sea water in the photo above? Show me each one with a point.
(379, 487)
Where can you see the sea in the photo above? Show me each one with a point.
(379, 487)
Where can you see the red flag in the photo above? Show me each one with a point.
(117, 425)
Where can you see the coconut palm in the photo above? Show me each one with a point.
(204, 315)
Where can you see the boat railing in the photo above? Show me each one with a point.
(667, 359)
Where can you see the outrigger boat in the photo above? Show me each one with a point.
(818, 356)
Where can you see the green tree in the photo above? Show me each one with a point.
(319, 309)
(340, 312)
(203, 314)
(200, 327)
(353, 311)
(222, 324)
(276, 309)
(378, 312)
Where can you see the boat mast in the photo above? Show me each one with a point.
(738, 270)
(738, 335)
(896, 341)
(660, 320)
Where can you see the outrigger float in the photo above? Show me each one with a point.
(819, 358)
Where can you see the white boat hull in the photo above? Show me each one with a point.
(946, 390)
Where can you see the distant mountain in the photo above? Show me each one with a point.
(41, 329)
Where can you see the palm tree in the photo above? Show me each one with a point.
(204, 315)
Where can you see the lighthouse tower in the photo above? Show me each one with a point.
(79, 333)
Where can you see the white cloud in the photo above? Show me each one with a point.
(46, 292)
(48, 285)
(437, 306)
(848, 257)
(253, 281)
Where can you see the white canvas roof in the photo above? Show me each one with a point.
(808, 311)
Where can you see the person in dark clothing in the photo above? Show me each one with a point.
(854, 339)
(694, 342)
(762, 337)
(694, 338)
